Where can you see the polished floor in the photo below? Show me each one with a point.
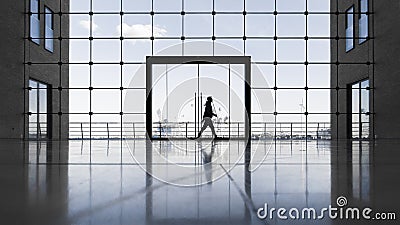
(194, 182)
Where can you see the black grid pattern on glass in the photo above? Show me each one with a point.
(339, 39)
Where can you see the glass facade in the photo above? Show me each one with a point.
(289, 43)
(289, 50)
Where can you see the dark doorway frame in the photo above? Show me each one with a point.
(242, 60)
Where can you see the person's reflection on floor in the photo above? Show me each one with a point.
(207, 161)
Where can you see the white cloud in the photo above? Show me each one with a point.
(86, 24)
(140, 30)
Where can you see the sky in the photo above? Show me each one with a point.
(165, 26)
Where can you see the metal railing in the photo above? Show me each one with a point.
(37, 130)
(260, 130)
(360, 130)
(107, 130)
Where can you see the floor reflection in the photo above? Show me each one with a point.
(191, 182)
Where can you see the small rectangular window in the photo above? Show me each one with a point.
(49, 30)
(363, 21)
(34, 32)
(350, 29)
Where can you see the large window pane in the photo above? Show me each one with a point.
(237, 76)
(319, 76)
(291, 101)
(319, 25)
(112, 97)
(79, 51)
(318, 51)
(199, 48)
(167, 47)
(318, 101)
(106, 6)
(360, 110)
(106, 51)
(350, 29)
(224, 25)
(291, 25)
(229, 5)
(260, 25)
(134, 76)
(49, 30)
(138, 26)
(262, 76)
(35, 22)
(198, 25)
(106, 76)
(363, 21)
(355, 89)
(79, 26)
(228, 47)
(260, 5)
(106, 26)
(167, 26)
(79, 76)
(167, 5)
(291, 6)
(79, 102)
(137, 106)
(318, 6)
(260, 50)
(291, 51)
(364, 110)
(136, 50)
(136, 6)
(198, 6)
(42, 110)
(291, 76)
(33, 109)
(80, 6)
(38, 124)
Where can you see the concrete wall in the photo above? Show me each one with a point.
(387, 69)
(12, 70)
(15, 75)
(351, 69)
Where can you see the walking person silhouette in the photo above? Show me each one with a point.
(208, 114)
